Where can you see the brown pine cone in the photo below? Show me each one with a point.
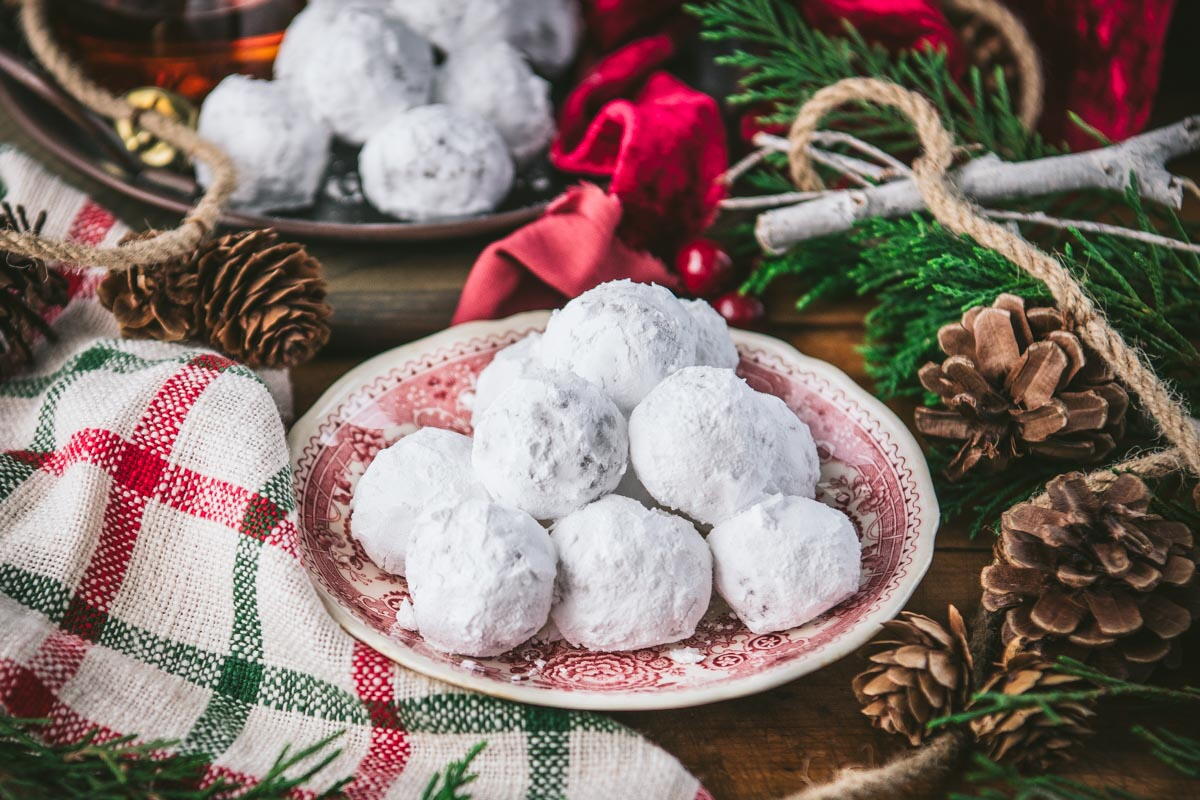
(262, 300)
(28, 288)
(925, 674)
(1094, 575)
(1020, 382)
(156, 301)
(1029, 737)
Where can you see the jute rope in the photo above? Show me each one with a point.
(1024, 53)
(954, 211)
(1020, 45)
(163, 246)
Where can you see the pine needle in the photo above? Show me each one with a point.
(1007, 783)
(923, 277)
(1181, 753)
(784, 61)
(1103, 686)
(125, 769)
(1003, 782)
(447, 787)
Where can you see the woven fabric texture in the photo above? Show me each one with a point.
(150, 584)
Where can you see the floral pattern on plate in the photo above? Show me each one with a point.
(870, 468)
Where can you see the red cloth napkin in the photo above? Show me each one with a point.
(568, 251)
(661, 143)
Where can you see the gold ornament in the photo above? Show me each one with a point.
(151, 150)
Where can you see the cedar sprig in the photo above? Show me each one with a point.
(923, 276)
(448, 786)
(782, 61)
(1009, 783)
(126, 769)
(1104, 686)
(1006, 782)
(1182, 753)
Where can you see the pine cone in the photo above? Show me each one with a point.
(1019, 382)
(262, 300)
(28, 288)
(1029, 737)
(1094, 575)
(156, 301)
(926, 674)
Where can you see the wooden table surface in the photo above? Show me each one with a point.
(757, 747)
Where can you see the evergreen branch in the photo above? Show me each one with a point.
(1007, 783)
(276, 782)
(923, 277)
(784, 61)
(456, 778)
(1017, 786)
(125, 769)
(1181, 753)
(986, 703)
(978, 502)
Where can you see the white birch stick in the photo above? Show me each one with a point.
(1039, 218)
(988, 178)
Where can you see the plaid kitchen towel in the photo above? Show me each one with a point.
(150, 584)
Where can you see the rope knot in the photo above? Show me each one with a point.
(165, 245)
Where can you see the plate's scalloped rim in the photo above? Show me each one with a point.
(376, 371)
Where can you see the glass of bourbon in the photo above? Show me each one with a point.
(186, 46)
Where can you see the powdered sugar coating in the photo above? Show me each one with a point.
(519, 359)
(550, 444)
(451, 23)
(481, 577)
(425, 471)
(361, 65)
(493, 80)
(547, 31)
(784, 561)
(625, 337)
(278, 150)
(798, 466)
(435, 161)
(703, 443)
(714, 345)
(629, 576)
(305, 32)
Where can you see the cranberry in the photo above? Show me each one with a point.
(704, 267)
(740, 310)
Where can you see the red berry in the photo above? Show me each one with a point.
(740, 310)
(705, 268)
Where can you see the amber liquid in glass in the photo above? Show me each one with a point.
(186, 46)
